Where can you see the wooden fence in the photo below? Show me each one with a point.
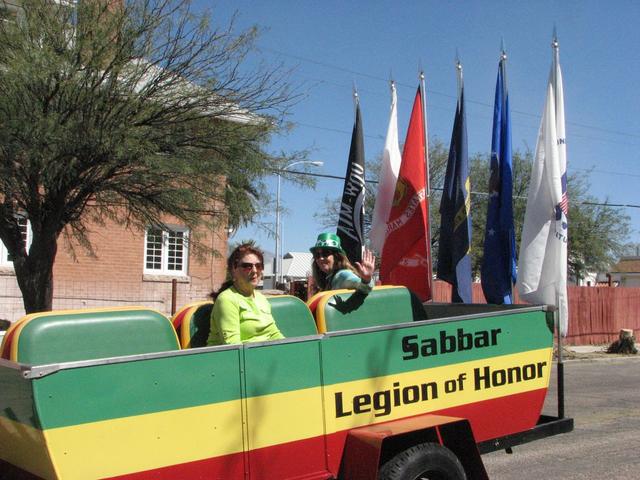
(596, 314)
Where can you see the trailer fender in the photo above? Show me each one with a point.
(368, 448)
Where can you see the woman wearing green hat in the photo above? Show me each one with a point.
(332, 270)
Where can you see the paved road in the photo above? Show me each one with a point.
(603, 397)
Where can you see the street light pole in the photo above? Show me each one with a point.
(276, 256)
(277, 260)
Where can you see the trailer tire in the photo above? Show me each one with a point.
(425, 461)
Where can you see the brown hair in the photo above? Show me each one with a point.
(237, 253)
(340, 262)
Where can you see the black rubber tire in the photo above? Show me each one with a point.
(425, 461)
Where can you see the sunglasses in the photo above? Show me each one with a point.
(322, 253)
(249, 266)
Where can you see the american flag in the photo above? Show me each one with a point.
(564, 201)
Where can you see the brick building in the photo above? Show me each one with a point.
(128, 267)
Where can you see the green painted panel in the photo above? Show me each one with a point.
(282, 367)
(101, 392)
(387, 306)
(16, 401)
(86, 335)
(371, 354)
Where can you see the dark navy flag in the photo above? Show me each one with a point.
(499, 263)
(351, 221)
(454, 259)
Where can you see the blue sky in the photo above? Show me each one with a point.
(332, 44)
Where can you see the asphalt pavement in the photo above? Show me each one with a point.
(603, 398)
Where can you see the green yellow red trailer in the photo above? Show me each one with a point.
(361, 388)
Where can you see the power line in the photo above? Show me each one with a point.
(439, 189)
(381, 137)
(435, 92)
(337, 130)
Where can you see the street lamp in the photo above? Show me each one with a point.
(277, 261)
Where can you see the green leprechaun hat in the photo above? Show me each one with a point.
(328, 241)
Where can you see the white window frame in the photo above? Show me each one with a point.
(27, 235)
(164, 252)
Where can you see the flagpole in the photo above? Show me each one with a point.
(356, 103)
(503, 67)
(560, 312)
(459, 77)
(560, 364)
(505, 92)
(556, 60)
(425, 130)
(556, 46)
(556, 53)
(423, 99)
(350, 218)
(356, 98)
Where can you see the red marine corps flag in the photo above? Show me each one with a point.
(406, 254)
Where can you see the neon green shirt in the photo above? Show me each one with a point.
(237, 319)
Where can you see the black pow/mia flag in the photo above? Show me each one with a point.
(351, 221)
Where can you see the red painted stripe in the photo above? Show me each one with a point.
(6, 344)
(306, 458)
(502, 416)
(300, 459)
(179, 317)
(489, 419)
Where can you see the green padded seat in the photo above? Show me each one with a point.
(292, 316)
(73, 335)
(384, 305)
(196, 326)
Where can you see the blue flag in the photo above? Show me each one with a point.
(499, 262)
(454, 259)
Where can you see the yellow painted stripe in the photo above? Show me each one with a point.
(157, 440)
(186, 307)
(185, 326)
(285, 417)
(413, 381)
(116, 447)
(24, 446)
(7, 335)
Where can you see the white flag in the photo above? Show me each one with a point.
(389, 169)
(542, 266)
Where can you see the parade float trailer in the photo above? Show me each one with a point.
(375, 387)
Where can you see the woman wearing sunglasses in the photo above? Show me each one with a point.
(240, 312)
(332, 270)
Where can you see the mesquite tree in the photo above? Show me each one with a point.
(139, 108)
